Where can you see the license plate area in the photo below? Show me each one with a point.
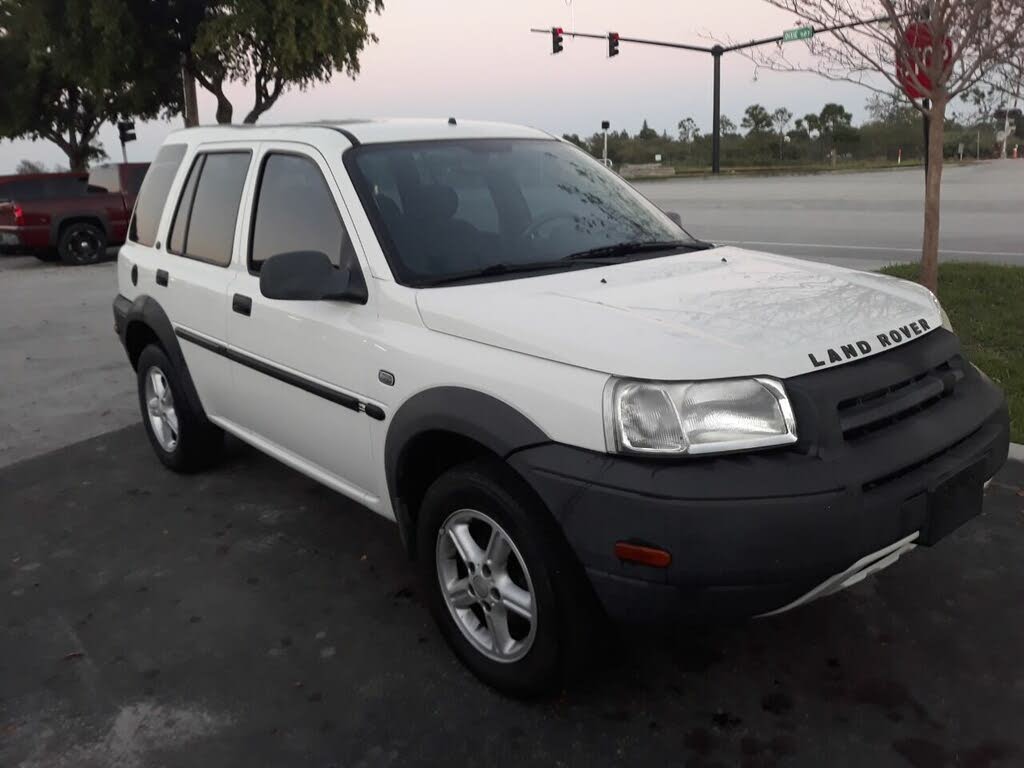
(953, 502)
(6, 238)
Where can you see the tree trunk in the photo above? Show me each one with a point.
(225, 110)
(932, 196)
(78, 158)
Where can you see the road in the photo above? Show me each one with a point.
(860, 220)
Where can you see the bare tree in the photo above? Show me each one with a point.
(981, 35)
(30, 166)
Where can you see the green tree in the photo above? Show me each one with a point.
(726, 125)
(62, 81)
(647, 133)
(756, 120)
(891, 108)
(269, 45)
(780, 119)
(688, 130)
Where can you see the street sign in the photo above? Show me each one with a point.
(800, 33)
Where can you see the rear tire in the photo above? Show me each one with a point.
(183, 440)
(515, 607)
(82, 243)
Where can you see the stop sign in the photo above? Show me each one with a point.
(911, 69)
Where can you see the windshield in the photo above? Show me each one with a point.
(446, 209)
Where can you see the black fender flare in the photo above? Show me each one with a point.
(147, 311)
(59, 221)
(483, 418)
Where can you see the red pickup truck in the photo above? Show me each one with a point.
(74, 222)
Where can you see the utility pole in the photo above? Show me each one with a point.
(188, 87)
(716, 118)
(605, 125)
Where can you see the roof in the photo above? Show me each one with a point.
(375, 131)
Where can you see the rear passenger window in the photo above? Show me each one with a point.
(153, 194)
(204, 223)
(295, 211)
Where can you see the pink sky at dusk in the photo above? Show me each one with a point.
(477, 59)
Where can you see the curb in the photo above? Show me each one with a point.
(1016, 452)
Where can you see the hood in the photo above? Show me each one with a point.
(718, 313)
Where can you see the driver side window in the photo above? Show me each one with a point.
(295, 211)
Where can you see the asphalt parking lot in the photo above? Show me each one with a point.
(249, 616)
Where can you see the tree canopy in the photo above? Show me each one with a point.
(270, 45)
(61, 82)
(757, 120)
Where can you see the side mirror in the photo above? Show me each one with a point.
(309, 276)
(676, 218)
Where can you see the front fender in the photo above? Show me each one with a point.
(485, 419)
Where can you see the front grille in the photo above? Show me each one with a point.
(881, 408)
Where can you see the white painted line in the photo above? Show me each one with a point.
(868, 248)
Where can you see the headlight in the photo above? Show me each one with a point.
(945, 320)
(661, 418)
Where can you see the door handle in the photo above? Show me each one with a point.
(161, 277)
(241, 304)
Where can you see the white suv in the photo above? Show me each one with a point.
(570, 406)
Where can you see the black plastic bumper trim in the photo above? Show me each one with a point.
(275, 372)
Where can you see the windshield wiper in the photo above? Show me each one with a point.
(596, 255)
(628, 249)
(494, 270)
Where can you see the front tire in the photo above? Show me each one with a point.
(82, 243)
(500, 581)
(183, 440)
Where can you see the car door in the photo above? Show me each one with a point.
(191, 282)
(301, 377)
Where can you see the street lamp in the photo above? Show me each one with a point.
(605, 125)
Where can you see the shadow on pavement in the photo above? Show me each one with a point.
(249, 616)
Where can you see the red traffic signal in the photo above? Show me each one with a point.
(613, 44)
(556, 39)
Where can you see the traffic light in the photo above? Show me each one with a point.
(613, 44)
(556, 39)
(126, 129)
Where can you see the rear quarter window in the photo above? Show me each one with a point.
(153, 194)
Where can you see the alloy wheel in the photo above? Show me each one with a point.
(486, 585)
(163, 419)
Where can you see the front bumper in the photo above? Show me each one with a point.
(750, 534)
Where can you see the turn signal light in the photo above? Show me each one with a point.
(637, 553)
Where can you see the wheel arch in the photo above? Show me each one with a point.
(439, 428)
(147, 323)
(60, 223)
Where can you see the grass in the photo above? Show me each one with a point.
(985, 303)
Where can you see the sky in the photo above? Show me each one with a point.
(476, 59)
